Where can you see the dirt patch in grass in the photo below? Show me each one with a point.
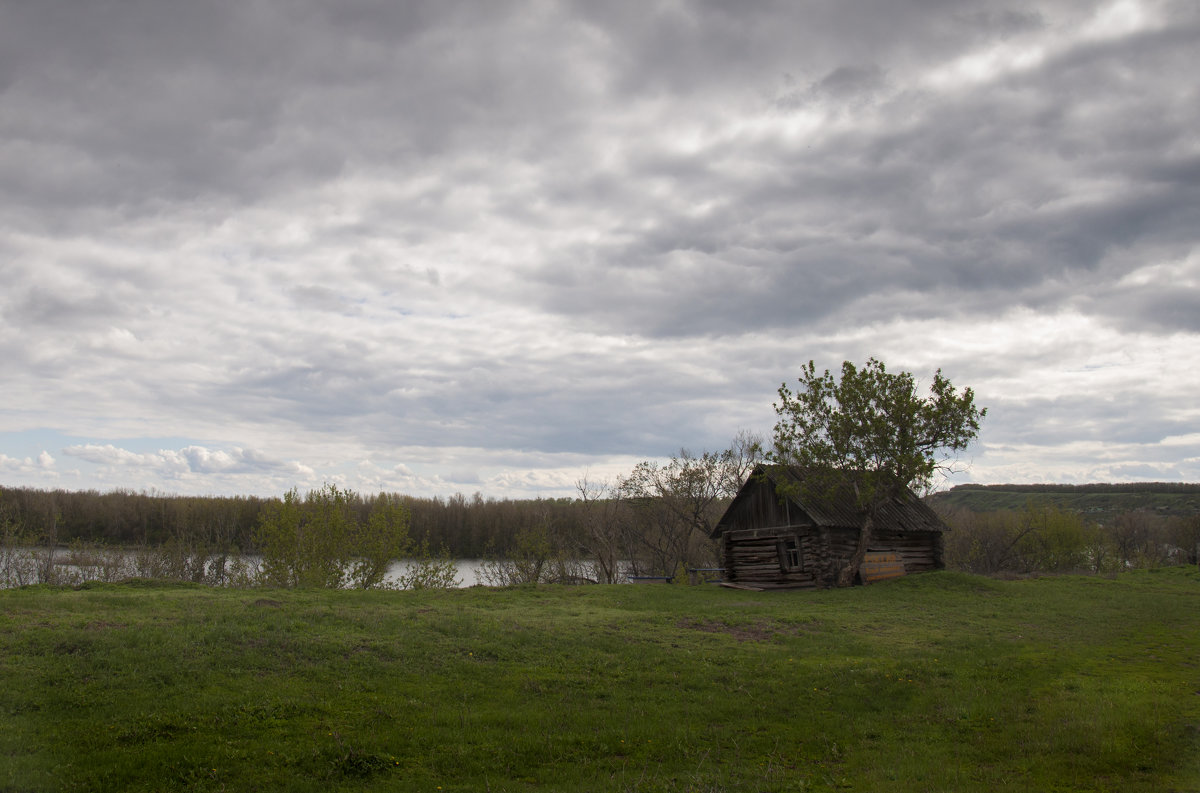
(760, 631)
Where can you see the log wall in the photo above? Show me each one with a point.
(751, 557)
(920, 550)
(840, 545)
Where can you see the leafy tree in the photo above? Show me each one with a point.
(872, 432)
(320, 540)
(376, 543)
(303, 540)
(1058, 541)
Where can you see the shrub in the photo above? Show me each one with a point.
(320, 540)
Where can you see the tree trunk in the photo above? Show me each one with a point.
(846, 576)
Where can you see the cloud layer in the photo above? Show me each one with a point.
(440, 246)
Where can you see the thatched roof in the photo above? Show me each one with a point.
(837, 508)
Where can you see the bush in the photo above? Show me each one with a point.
(320, 541)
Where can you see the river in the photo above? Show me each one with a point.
(72, 566)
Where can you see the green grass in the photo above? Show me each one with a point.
(931, 683)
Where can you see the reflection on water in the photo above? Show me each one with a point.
(20, 566)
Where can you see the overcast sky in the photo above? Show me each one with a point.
(437, 247)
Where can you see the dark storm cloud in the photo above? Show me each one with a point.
(849, 85)
(1166, 307)
(40, 306)
(576, 227)
(991, 196)
(141, 104)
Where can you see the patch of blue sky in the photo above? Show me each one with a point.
(31, 443)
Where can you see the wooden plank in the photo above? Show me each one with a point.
(734, 585)
(880, 566)
(769, 532)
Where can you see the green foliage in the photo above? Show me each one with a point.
(305, 542)
(1039, 538)
(871, 428)
(377, 542)
(1043, 537)
(871, 434)
(320, 541)
(942, 681)
(426, 570)
(1056, 541)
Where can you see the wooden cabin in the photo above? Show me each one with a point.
(798, 541)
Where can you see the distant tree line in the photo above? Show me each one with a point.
(654, 521)
(464, 526)
(126, 517)
(1099, 487)
(1043, 537)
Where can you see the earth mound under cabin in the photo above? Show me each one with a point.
(800, 541)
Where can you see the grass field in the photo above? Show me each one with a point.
(941, 682)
